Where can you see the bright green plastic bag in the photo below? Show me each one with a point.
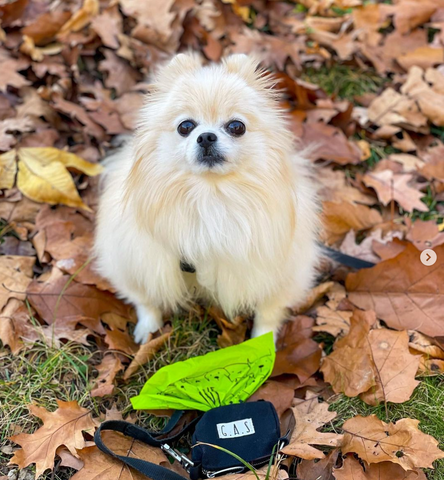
(229, 375)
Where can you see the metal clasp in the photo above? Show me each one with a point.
(180, 457)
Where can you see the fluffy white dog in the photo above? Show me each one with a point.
(211, 179)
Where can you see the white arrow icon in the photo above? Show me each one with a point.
(428, 257)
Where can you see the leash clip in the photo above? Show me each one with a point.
(180, 457)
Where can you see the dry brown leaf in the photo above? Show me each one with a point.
(121, 341)
(9, 75)
(46, 26)
(424, 234)
(296, 352)
(318, 470)
(394, 186)
(15, 276)
(62, 427)
(402, 442)
(233, 331)
(147, 351)
(394, 365)
(315, 294)
(310, 415)
(279, 394)
(121, 75)
(363, 250)
(99, 466)
(60, 297)
(340, 218)
(352, 469)
(402, 291)
(108, 369)
(349, 368)
(329, 318)
(108, 26)
(14, 324)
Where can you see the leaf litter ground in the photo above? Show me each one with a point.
(364, 81)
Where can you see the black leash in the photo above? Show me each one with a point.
(149, 469)
(346, 260)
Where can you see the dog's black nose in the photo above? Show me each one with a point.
(206, 139)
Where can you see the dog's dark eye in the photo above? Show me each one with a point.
(186, 127)
(235, 128)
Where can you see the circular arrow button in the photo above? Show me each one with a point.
(428, 257)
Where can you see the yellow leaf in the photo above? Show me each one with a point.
(43, 175)
(8, 169)
(38, 53)
(242, 12)
(82, 17)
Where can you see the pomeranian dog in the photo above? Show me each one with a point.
(209, 200)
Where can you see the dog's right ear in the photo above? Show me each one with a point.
(179, 65)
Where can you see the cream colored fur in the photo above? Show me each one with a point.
(248, 225)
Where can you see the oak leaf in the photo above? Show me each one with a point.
(81, 18)
(45, 27)
(310, 415)
(318, 470)
(394, 186)
(329, 318)
(8, 169)
(402, 442)
(62, 427)
(108, 370)
(402, 291)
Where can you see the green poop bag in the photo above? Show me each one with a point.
(229, 375)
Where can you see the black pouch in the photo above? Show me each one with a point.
(249, 430)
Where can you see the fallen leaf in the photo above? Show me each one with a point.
(395, 367)
(43, 175)
(100, 466)
(147, 351)
(310, 415)
(329, 318)
(364, 250)
(108, 369)
(340, 218)
(81, 18)
(352, 469)
(402, 442)
(424, 234)
(315, 294)
(13, 317)
(350, 367)
(108, 26)
(279, 394)
(318, 470)
(121, 75)
(59, 297)
(121, 341)
(233, 331)
(15, 276)
(296, 352)
(62, 427)
(8, 169)
(9, 75)
(46, 26)
(402, 291)
(394, 186)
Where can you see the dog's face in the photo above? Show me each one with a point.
(216, 119)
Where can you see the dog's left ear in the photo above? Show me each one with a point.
(246, 66)
(180, 64)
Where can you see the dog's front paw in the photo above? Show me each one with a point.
(149, 320)
(262, 330)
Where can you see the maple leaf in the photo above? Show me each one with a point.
(393, 186)
(352, 469)
(402, 442)
(62, 427)
(59, 297)
(99, 466)
(310, 415)
(402, 291)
